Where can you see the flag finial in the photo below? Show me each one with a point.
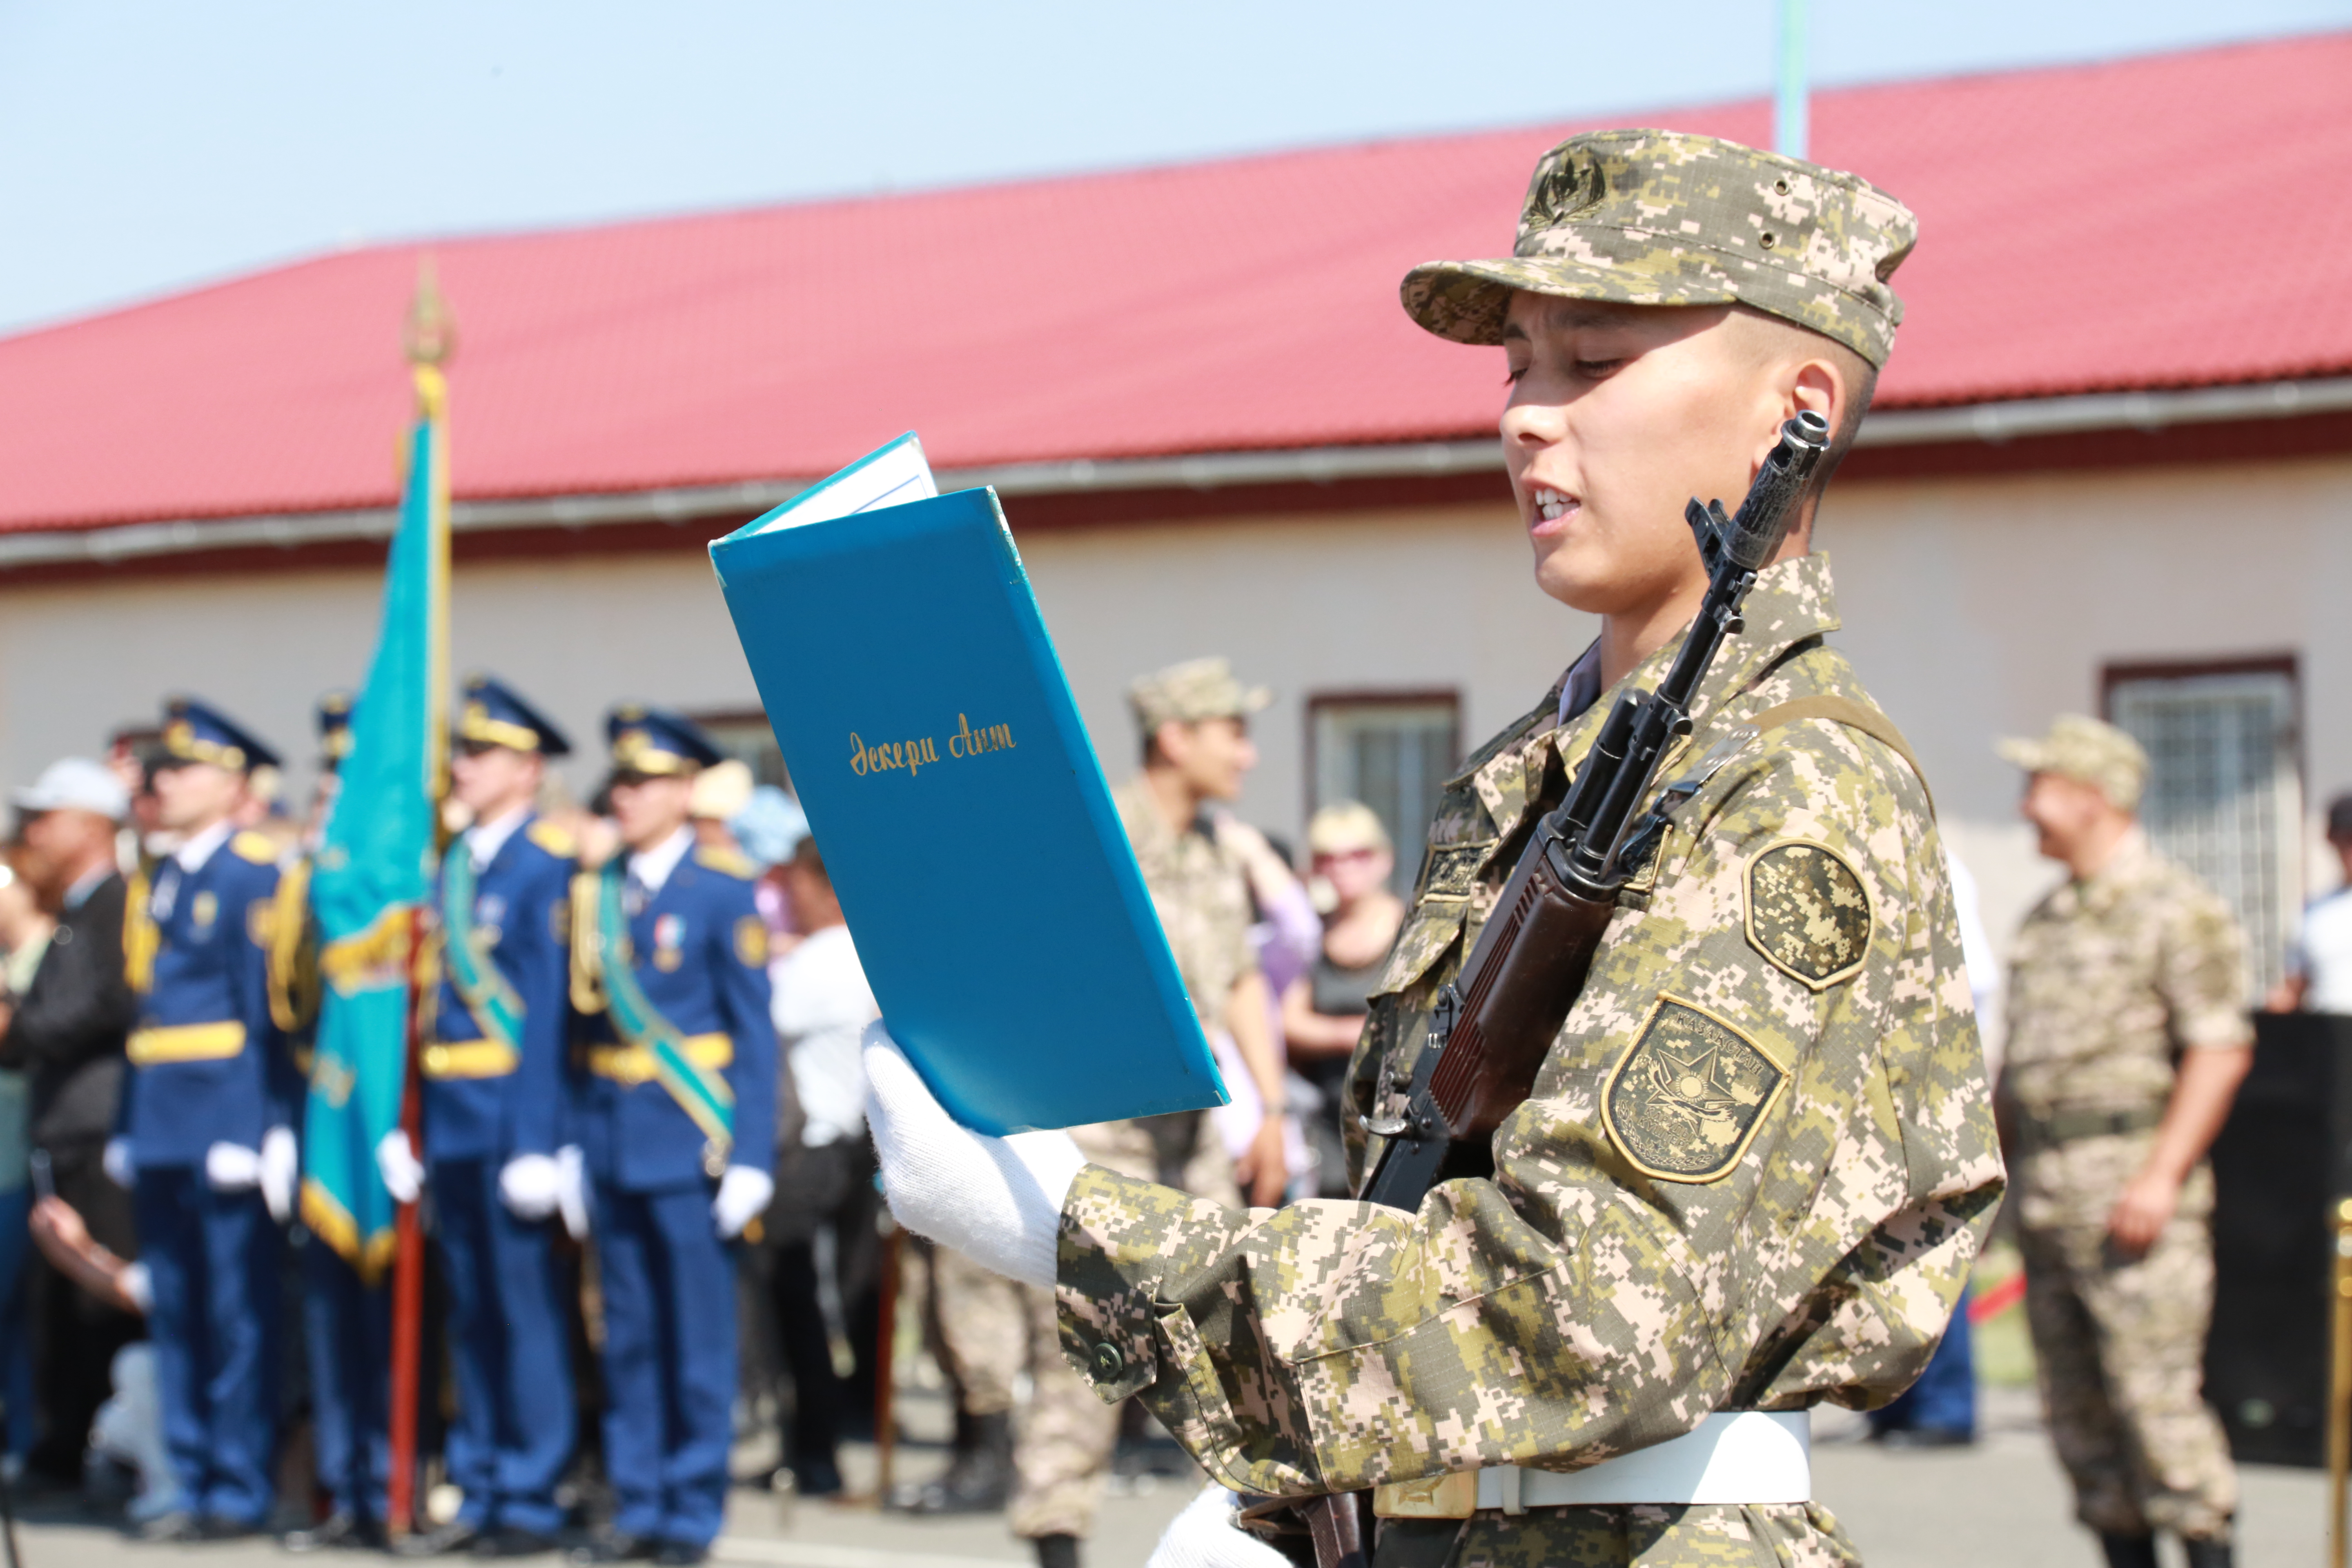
(430, 333)
(429, 337)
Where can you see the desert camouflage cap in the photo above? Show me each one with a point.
(1195, 690)
(2083, 748)
(1659, 217)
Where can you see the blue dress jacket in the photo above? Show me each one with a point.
(699, 949)
(208, 1063)
(482, 1100)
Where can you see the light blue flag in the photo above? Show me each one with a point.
(373, 872)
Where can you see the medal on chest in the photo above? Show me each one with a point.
(205, 910)
(489, 915)
(669, 942)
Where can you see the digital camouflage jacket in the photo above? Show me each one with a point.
(2110, 978)
(1754, 1173)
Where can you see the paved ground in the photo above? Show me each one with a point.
(2002, 1502)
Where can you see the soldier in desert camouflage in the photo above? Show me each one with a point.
(2131, 965)
(1193, 721)
(1759, 1159)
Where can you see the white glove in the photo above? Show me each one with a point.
(571, 1190)
(531, 1186)
(232, 1168)
(1206, 1536)
(396, 1163)
(121, 1168)
(743, 1195)
(281, 1171)
(998, 1201)
(139, 1285)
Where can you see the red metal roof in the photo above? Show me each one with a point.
(2172, 221)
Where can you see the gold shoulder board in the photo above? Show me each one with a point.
(257, 847)
(733, 862)
(553, 839)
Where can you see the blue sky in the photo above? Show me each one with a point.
(144, 147)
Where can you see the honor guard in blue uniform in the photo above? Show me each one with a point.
(206, 1139)
(495, 1098)
(346, 1317)
(677, 1123)
(335, 744)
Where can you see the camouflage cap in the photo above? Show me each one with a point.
(1659, 217)
(1195, 690)
(2083, 748)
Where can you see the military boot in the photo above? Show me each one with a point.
(979, 1477)
(2129, 1551)
(2207, 1553)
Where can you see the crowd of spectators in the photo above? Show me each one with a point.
(77, 1388)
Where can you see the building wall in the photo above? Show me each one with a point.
(1974, 608)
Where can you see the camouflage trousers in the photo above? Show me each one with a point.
(2119, 1346)
(981, 1328)
(990, 1331)
(1063, 1448)
(1764, 1535)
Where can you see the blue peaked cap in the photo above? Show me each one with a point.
(196, 731)
(656, 741)
(495, 714)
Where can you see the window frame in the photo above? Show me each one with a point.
(1311, 781)
(2294, 892)
(716, 719)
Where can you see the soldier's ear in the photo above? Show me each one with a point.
(1820, 385)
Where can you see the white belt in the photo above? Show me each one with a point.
(1732, 1457)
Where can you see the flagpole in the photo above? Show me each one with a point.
(1792, 108)
(428, 342)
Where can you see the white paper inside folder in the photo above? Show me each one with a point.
(890, 475)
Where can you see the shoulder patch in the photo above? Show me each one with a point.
(551, 838)
(1807, 911)
(752, 941)
(733, 863)
(1689, 1098)
(257, 847)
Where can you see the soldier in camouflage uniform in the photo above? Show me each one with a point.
(978, 1323)
(2130, 965)
(1757, 1163)
(1201, 892)
(1193, 721)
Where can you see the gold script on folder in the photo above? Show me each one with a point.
(913, 756)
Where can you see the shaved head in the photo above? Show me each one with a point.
(1777, 343)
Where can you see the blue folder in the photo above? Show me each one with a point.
(995, 903)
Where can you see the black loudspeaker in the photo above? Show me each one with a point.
(2282, 1160)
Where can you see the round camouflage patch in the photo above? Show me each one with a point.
(1808, 912)
(1686, 1101)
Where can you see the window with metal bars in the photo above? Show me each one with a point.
(2225, 792)
(1391, 751)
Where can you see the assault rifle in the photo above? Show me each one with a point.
(1488, 1033)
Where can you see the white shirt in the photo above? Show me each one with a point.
(651, 867)
(485, 840)
(186, 861)
(2322, 954)
(192, 855)
(1976, 953)
(820, 1009)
